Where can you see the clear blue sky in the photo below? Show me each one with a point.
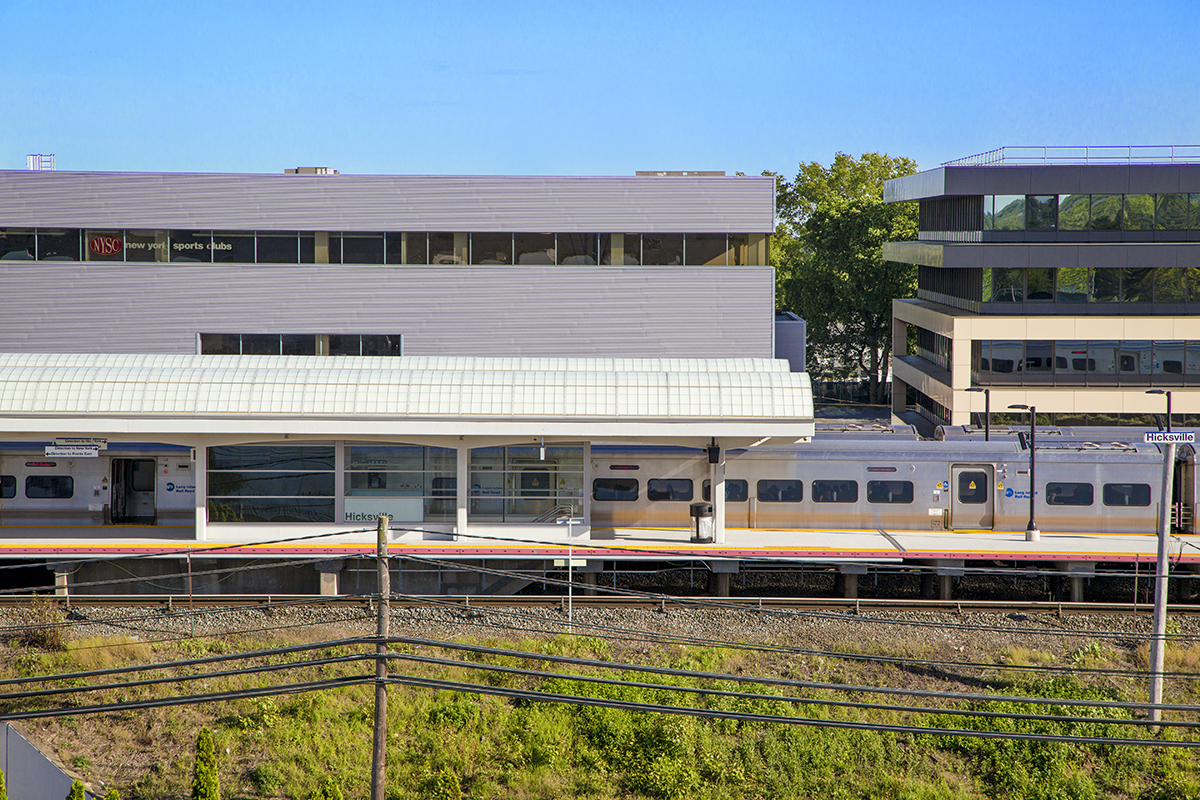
(583, 88)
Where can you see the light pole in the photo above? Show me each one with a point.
(1168, 394)
(570, 522)
(1032, 534)
(987, 411)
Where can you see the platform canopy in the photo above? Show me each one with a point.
(174, 398)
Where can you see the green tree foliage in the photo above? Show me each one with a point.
(3, 787)
(828, 254)
(77, 792)
(112, 794)
(205, 785)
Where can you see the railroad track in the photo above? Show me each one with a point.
(829, 604)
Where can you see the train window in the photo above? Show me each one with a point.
(972, 488)
(889, 491)
(835, 491)
(776, 491)
(669, 489)
(8, 486)
(49, 487)
(736, 491)
(1126, 494)
(615, 489)
(1069, 494)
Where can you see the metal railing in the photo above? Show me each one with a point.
(1082, 154)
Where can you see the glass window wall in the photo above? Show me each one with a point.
(1039, 284)
(517, 484)
(1139, 212)
(1008, 285)
(749, 249)
(537, 249)
(58, 245)
(410, 483)
(362, 248)
(1010, 212)
(1171, 212)
(662, 249)
(448, 248)
(104, 245)
(18, 244)
(621, 249)
(491, 248)
(577, 249)
(1041, 212)
(1106, 212)
(233, 247)
(278, 248)
(1073, 212)
(271, 483)
(1074, 284)
(989, 212)
(705, 249)
(407, 248)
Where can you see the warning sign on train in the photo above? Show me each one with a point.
(1162, 437)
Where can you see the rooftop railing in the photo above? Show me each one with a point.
(1103, 154)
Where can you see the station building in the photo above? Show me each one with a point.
(1062, 278)
(327, 264)
(261, 365)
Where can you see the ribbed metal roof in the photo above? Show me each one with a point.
(640, 204)
(435, 388)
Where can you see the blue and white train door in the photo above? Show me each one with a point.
(972, 500)
(133, 501)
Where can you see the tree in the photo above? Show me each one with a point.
(112, 794)
(77, 791)
(205, 785)
(830, 270)
(3, 787)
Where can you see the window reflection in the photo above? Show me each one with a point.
(1039, 284)
(1106, 284)
(1010, 212)
(1171, 212)
(58, 245)
(1008, 285)
(1041, 212)
(577, 249)
(1072, 364)
(1168, 360)
(1039, 360)
(1105, 213)
(362, 248)
(278, 248)
(1139, 212)
(1194, 205)
(1073, 212)
(233, 247)
(1137, 285)
(1073, 284)
(191, 246)
(989, 215)
(1170, 285)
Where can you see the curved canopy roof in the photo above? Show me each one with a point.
(593, 398)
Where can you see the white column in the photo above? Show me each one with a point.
(717, 476)
(587, 484)
(201, 472)
(463, 463)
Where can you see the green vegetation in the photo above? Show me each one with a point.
(827, 251)
(444, 744)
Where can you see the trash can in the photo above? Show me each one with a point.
(703, 514)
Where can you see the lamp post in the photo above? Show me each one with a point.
(987, 411)
(570, 522)
(1032, 534)
(1168, 394)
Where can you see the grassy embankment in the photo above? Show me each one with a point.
(451, 745)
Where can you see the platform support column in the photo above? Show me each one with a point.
(719, 575)
(463, 484)
(1076, 589)
(589, 572)
(716, 476)
(201, 472)
(848, 573)
(61, 572)
(947, 587)
(330, 572)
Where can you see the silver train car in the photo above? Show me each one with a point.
(870, 483)
(124, 484)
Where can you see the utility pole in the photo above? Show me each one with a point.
(1158, 644)
(379, 759)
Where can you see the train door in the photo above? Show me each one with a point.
(133, 482)
(972, 501)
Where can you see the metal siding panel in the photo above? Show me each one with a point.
(392, 203)
(639, 312)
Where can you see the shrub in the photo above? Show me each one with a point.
(76, 791)
(3, 788)
(45, 625)
(205, 785)
(112, 794)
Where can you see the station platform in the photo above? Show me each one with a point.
(550, 541)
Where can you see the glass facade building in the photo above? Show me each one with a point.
(1074, 287)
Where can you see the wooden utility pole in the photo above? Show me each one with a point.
(379, 760)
